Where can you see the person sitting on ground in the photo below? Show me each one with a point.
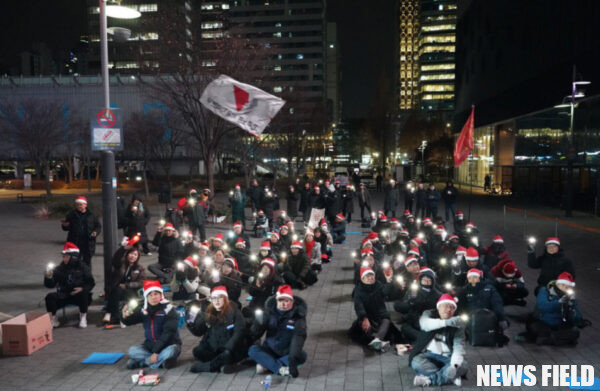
(73, 281)
(223, 329)
(162, 345)
(495, 253)
(416, 301)
(552, 263)
(229, 276)
(510, 283)
(296, 269)
(338, 231)
(265, 251)
(190, 246)
(187, 280)
(216, 243)
(373, 326)
(126, 278)
(438, 355)
(471, 261)
(285, 239)
(556, 316)
(324, 238)
(368, 260)
(481, 294)
(169, 250)
(238, 232)
(242, 257)
(276, 248)
(312, 248)
(284, 321)
(263, 285)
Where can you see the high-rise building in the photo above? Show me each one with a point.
(437, 45)
(409, 54)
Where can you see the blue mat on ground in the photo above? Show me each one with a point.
(166, 288)
(353, 233)
(102, 358)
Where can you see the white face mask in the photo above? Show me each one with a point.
(264, 253)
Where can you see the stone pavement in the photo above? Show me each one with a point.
(334, 363)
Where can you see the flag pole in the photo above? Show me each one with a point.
(471, 166)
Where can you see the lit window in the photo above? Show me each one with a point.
(277, 89)
(148, 36)
(437, 67)
(277, 34)
(445, 76)
(277, 24)
(291, 110)
(439, 27)
(225, 6)
(211, 25)
(331, 46)
(277, 68)
(434, 49)
(209, 63)
(207, 6)
(299, 56)
(210, 35)
(279, 56)
(126, 65)
(437, 88)
(147, 7)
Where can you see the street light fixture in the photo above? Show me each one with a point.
(570, 101)
(109, 180)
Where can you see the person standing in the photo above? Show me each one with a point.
(409, 196)
(238, 202)
(292, 202)
(305, 202)
(379, 181)
(136, 218)
(391, 199)
(254, 193)
(348, 200)
(433, 199)
(421, 197)
(449, 195)
(83, 228)
(487, 182)
(364, 201)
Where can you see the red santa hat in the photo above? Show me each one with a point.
(366, 252)
(284, 291)
(152, 286)
(509, 269)
(565, 278)
(460, 250)
(459, 213)
(552, 240)
(205, 246)
(181, 204)
(417, 241)
(453, 237)
(219, 291)
(260, 212)
(70, 248)
(168, 226)
(474, 273)
(383, 218)
(81, 200)
(191, 262)
(414, 251)
(445, 298)
(373, 236)
(238, 224)
(404, 232)
(316, 187)
(440, 229)
(237, 186)
(427, 271)
(427, 221)
(366, 270)
(406, 212)
(410, 260)
(241, 241)
(309, 232)
(297, 244)
(266, 245)
(365, 242)
(232, 262)
(276, 234)
(269, 262)
(337, 181)
(218, 237)
(470, 225)
(284, 227)
(498, 239)
(192, 190)
(322, 222)
(472, 254)
(339, 217)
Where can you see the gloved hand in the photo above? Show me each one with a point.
(503, 324)
(293, 370)
(530, 248)
(180, 275)
(564, 299)
(124, 241)
(453, 321)
(250, 279)
(456, 360)
(584, 323)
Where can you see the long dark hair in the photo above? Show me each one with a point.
(125, 261)
(213, 316)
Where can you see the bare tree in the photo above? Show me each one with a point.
(37, 128)
(142, 133)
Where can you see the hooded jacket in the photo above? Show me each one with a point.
(426, 299)
(228, 333)
(494, 254)
(160, 326)
(80, 228)
(551, 265)
(297, 264)
(169, 249)
(552, 312)
(369, 301)
(285, 331)
(482, 295)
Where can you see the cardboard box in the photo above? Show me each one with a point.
(26, 333)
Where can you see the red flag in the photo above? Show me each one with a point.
(464, 144)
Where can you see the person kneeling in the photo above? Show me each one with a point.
(438, 354)
(162, 345)
(557, 314)
(224, 331)
(284, 320)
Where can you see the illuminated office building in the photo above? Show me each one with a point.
(409, 56)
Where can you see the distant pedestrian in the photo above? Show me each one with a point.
(292, 202)
(487, 182)
(137, 217)
(433, 199)
(449, 195)
(364, 201)
(379, 181)
(237, 200)
(391, 199)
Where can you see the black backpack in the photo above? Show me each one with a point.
(483, 324)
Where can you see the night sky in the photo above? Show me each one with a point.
(365, 31)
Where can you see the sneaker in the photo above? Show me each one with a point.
(55, 322)
(375, 344)
(229, 368)
(106, 318)
(385, 346)
(260, 370)
(82, 320)
(421, 381)
(148, 253)
(123, 325)
(457, 382)
(284, 371)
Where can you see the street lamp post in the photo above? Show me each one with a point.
(571, 148)
(107, 163)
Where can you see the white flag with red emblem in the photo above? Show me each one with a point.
(248, 107)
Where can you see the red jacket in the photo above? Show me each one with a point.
(500, 278)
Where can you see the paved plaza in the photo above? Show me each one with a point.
(334, 362)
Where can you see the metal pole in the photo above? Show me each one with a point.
(571, 155)
(109, 180)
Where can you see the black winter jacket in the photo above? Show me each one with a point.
(68, 276)
(170, 249)
(551, 265)
(160, 326)
(228, 333)
(369, 301)
(80, 228)
(482, 295)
